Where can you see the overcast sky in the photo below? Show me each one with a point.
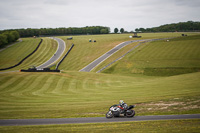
(127, 14)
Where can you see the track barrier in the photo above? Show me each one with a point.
(64, 57)
(36, 70)
(23, 58)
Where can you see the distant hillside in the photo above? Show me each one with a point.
(180, 27)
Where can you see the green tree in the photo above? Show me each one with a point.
(10, 37)
(15, 34)
(181, 26)
(3, 40)
(116, 30)
(136, 30)
(122, 30)
(141, 29)
(104, 31)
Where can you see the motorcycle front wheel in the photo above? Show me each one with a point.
(130, 113)
(109, 114)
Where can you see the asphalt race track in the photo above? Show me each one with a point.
(96, 62)
(20, 122)
(56, 56)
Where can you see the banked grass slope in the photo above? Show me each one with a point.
(86, 52)
(75, 94)
(12, 55)
(161, 58)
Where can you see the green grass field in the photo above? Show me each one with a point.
(159, 77)
(14, 54)
(79, 94)
(85, 52)
(161, 58)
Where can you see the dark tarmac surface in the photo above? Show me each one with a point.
(20, 122)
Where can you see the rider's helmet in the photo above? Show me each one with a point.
(121, 102)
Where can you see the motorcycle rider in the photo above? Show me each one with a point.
(123, 105)
(120, 109)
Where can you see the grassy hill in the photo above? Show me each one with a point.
(79, 94)
(161, 58)
(14, 54)
(85, 52)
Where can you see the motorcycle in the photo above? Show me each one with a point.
(117, 110)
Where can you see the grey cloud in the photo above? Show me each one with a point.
(189, 3)
(57, 2)
(129, 14)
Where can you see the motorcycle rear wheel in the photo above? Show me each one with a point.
(130, 114)
(109, 114)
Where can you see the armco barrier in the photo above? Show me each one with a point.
(24, 58)
(43, 70)
(64, 57)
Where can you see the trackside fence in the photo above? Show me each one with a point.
(64, 57)
(23, 58)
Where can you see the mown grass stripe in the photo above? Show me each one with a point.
(35, 59)
(46, 85)
(10, 83)
(19, 85)
(23, 87)
(37, 85)
(53, 84)
(41, 57)
(73, 86)
(34, 85)
(59, 86)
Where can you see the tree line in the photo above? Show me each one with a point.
(8, 37)
(29, 32)
(189, 26)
